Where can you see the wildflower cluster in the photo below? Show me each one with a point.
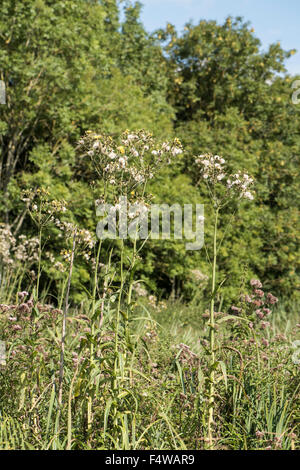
(186, 356)
(213, 170)
(256, 306)
(85, 242)
(198, 276)
(140, 290)
(57, 265)
(7, 244)
(19, 315)
(156, 304)
(83, 236)
(127, 207)
(17, 250)
(41, 207)
(129, 161)
(23, 326)
(26, 249)
(272, 442)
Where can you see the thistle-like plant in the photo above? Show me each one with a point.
(223, 188)
(128, 161)
(124, 166)
(42, 210)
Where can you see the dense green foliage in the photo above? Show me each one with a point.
(94, 356)
(71, 66)
(228, 98)
(163, 406)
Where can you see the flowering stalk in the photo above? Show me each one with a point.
(222, 189)
(63, 335)
(117, 353)
(124, 164)
(89, 412)
(39, 263)
(41, 209)
(132, 270)
(211, 398)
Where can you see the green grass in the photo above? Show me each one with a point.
(162, 396)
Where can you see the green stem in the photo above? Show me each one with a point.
(116, 363)
(94, 296)
(62, 296)
(96, 277)
(39, 263)
(13, 284)
(64, 323)
(131, 279)
(89, 405)
(211, 399)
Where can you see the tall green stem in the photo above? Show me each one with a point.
(95, 284)
(116, 382)
(130, 287)
(96, 277)
(211, 399)
(64, 323)
(39, 263)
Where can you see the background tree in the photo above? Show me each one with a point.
(75, 65)
(230, 97)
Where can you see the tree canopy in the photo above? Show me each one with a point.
(70, 66)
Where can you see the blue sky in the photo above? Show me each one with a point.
(273, 20)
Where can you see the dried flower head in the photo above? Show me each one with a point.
(127, 161)
(214, 172)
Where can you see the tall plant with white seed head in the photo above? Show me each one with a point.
(223, 188)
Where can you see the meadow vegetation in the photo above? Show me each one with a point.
(140, 344)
